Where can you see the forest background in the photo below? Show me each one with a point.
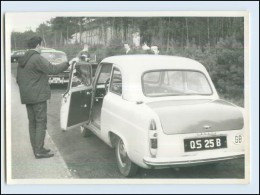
(216, 42)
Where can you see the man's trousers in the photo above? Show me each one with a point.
(37, 115)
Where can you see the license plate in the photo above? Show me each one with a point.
(56, 80)
(197, 144)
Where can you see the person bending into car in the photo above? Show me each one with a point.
(32, 79)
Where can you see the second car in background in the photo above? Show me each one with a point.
(17, 54)
(56, 57)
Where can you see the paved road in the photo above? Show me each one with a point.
(91, 158)
(23, 163)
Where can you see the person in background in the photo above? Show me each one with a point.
(85, 47)
(146, 49)
(85, 52)
(32, 79)
(128, 49)
(155, 50)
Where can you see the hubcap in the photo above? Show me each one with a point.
(122, 154)
(82, 129)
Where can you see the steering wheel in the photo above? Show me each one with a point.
(108, 80)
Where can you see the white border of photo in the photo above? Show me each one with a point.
(248, 99)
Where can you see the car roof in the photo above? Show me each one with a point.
(150, 62)
(47, 50)
(133, 67)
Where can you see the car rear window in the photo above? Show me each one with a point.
(175, 82)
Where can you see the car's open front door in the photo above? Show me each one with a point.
(76, 101)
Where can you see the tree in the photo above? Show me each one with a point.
(19, 40)
(45, 31)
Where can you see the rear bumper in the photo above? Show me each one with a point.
(162, 163)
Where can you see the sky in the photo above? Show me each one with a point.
(21, 22)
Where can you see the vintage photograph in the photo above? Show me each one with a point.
(151, 97)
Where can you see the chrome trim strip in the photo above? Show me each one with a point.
(192, 161)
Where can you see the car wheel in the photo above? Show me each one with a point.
(125, 165)
(85, 132)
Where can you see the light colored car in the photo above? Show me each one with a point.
(56, 57)
(157, 111)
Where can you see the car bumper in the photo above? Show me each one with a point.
(161, 163)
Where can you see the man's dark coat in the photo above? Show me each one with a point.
(32, 77)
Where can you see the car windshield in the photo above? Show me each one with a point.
(54, 57)
(175, 82)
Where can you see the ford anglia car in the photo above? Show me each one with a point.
(156, 111)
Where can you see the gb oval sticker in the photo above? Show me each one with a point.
(238, 139)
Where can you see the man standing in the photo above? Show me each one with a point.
(127, 49)
(32, 79)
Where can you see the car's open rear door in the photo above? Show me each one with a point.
(76, 101)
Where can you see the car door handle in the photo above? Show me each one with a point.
(86, 92)
(65, 96)
(84, 106)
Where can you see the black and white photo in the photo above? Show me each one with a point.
(127, 97)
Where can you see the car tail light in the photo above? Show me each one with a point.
(153, 138)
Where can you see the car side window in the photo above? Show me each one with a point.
(104, 74)
(152, 78)
(116, 82)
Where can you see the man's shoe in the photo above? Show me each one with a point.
(44, 150)
(43, 155)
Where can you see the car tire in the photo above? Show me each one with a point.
(85, 132)
(126, 167)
